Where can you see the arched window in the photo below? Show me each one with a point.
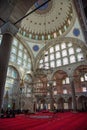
(61, 54)
(11, 87)
(83, 79)
(19, 55)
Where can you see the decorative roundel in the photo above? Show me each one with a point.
(76, 32)
(35, 47)
(39, 2)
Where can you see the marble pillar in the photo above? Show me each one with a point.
(51, 96)
(8, 30)
(73, 94)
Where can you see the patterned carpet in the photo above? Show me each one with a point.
(46, 121)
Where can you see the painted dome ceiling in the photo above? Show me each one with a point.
(53, 19)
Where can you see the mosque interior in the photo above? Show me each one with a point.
(47, 66)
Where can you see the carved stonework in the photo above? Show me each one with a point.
(9, 28)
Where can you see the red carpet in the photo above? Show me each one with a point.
(46, 121)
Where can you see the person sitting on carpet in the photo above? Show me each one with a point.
(2, 113)
(8, 113)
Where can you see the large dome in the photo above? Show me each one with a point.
(49, 21)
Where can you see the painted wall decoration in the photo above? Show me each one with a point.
(35, 47)
(76, 32)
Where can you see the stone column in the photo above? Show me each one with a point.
(73, 94)
(59, 86)
(8, 30)
(51, 96)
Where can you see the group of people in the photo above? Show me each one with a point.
(7, 114)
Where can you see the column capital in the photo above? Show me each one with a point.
(71, 78)
(8, 27)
